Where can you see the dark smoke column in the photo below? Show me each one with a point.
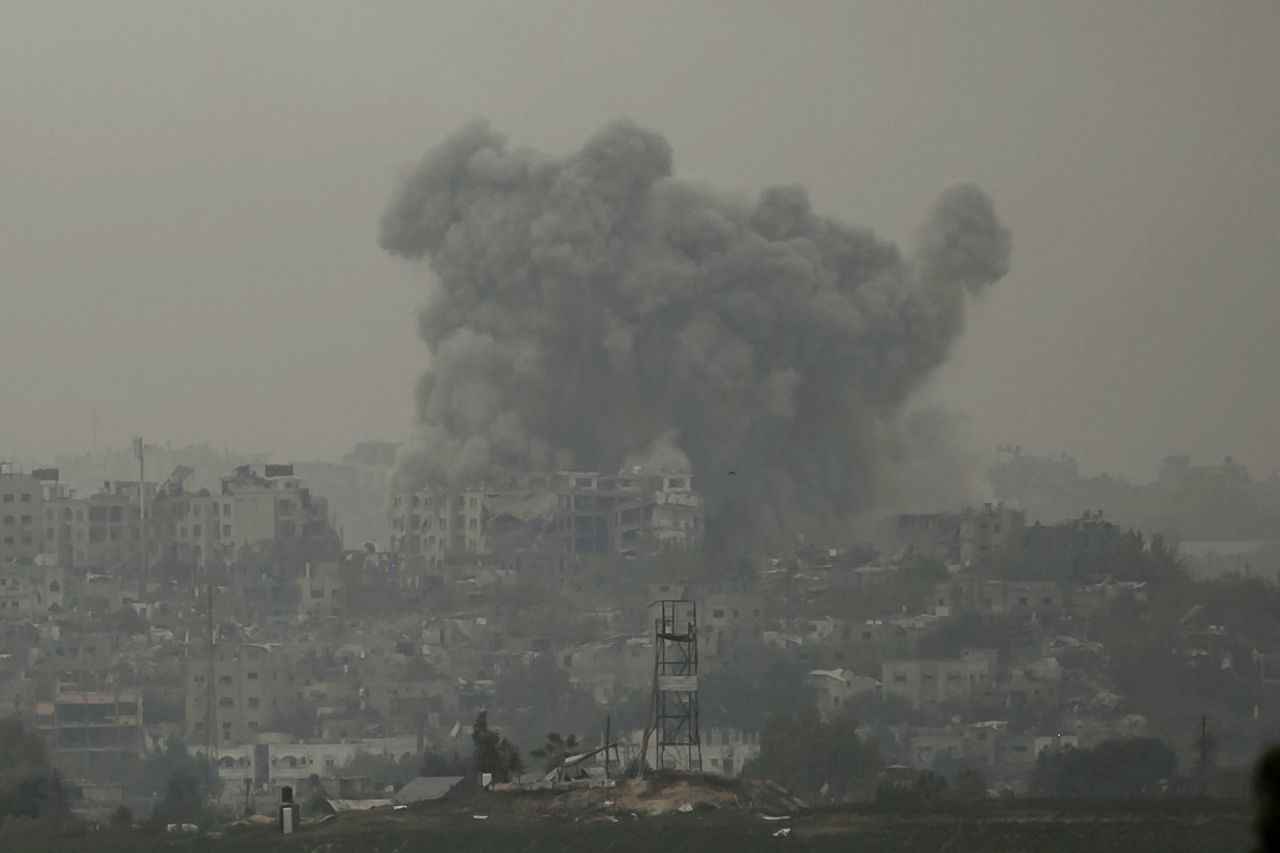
(594, 311)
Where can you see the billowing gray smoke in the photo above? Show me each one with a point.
(593, 311)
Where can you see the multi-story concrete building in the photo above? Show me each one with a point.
(971, 677)
(275, 506)
(251, 685)
(199, 528)
(89, 732)
(101, 532)
(320, 589)
(568, 514)
(730, 623)
(960, 536)
(987, 597)
(21, 508)
(29, 589)
(189, 528)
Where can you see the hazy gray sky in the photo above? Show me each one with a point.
(189, 197)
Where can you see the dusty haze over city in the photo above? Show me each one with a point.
(189, 233)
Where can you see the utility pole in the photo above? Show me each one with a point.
(142, 512)
(608, 719)
(1203, 748)
(210, 705)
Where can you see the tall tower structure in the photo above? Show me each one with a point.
(678, 745)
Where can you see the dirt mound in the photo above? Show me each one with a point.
(665, 793)
(674, 794)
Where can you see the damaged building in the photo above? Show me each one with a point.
(540, 516)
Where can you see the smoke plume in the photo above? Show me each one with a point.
(594, 311)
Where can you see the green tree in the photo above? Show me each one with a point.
(555, 750)
(742, 697)
(494, 754)
(184, 800)
(151, 776)
(816, 759)
(538, 698)
(436, 763)
(121, 818)
(1128, 767)
(29, 786)
(970, 785)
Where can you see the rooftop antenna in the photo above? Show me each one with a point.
(139, 452)
(210, 706)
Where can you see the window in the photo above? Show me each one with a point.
(8, 521)
(717, 614)
(226, 530)
(26, 498)
(253, 676)
(899, 678)
(253, 701)
(227, 702)
(8, 498)
(224, 679)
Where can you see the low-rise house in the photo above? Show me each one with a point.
(833, 688)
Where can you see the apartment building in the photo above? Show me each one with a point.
(88, 733)
(569, 514)
(21, 508)
(251, 685)
(971, 677)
